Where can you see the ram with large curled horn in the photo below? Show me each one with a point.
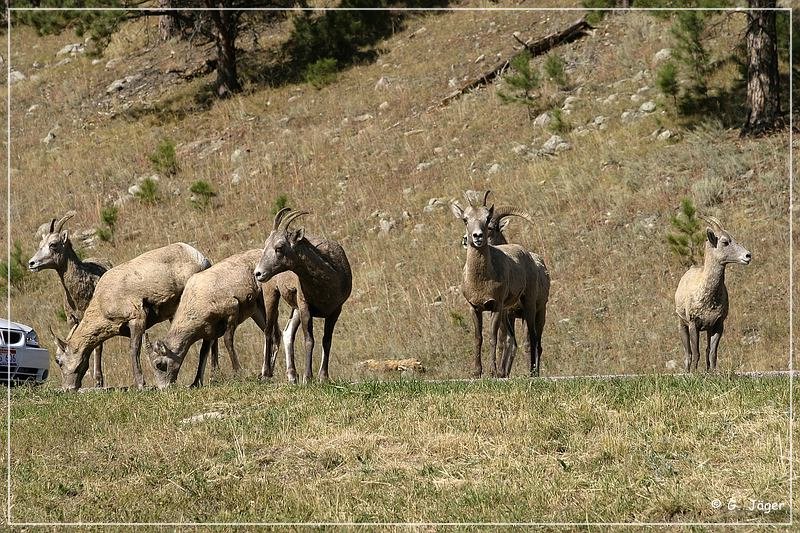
(314, 278)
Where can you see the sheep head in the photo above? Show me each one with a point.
(476, 218)
(73, 366)
(722, 246)
(280, 249)
(52, 252)
(165, 363)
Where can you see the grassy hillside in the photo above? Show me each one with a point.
(655, 449)
(353, 153)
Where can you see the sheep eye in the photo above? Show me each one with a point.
(725, 243)
(52, 246)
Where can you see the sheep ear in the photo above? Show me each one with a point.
(712, 237)
(457, 211)
(297, 235)
(491, 213)
(64, 235)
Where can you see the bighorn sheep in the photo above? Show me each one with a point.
(496, 225)
(317, 286)
(78, 278)
(506, 280)
(127, 300)
(701, 300)
(213, 303)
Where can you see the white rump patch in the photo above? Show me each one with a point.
(196, 255)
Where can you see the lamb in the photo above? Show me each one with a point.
(127, 300)
(314, 278)
(701, 300)
(78, 278)
(214, 302)
(499, 279)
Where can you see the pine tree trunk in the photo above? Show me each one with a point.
(166, 23)
(763, 94)
(227, 79)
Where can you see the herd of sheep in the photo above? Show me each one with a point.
(312, 275)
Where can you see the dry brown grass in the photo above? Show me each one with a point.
(603, 206)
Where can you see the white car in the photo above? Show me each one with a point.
(21, 357)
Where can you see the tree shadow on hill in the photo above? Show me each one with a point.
(334, 40)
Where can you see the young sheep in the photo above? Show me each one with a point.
(127, 300)
(498, 279)
(499, 221)
(315, 279)
(78, 278)
(701, 300)
(214, 302)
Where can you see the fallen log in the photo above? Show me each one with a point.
(573, 32)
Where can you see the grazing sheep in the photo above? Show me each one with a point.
(499, 279)
(315, 279)
(127, 300)
(499, 221)
(701, 300)
(78, 278)
(213, 303)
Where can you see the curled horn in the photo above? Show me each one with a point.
(278, 217)
(288, 219)
(714, 221)
(63, 221)
(504, 211)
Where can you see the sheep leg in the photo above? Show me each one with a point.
(97, 371)
(541, 318)
(511, 347)
(694, 342)
(271, 300)
(308, 331)
(713, 342)
(260, 318)
(136, 328)
(289, 334)
(228, 339)
(327, 338)
(497, 319)
(477, 321)
(215, 357)
(201, 364)
(687, 351)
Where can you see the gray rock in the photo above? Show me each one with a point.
(518, 149)
(569, 101)
(627, 116)
(72, 49)
(555, 144)
(662, 55)
(236, 178)
(386, 225)
(636, 98)
(494, 169)
(118, 85)
(384, 106)
(600, 120)
(418, 228)
(664, 135)
(239, 155)
(648, 107)
(133, 190)
(14, 76)
(542, 120)
(363, 118)
(113, 62)
(610, 99)
(424, 165)
(382, 83)
(123, 199)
